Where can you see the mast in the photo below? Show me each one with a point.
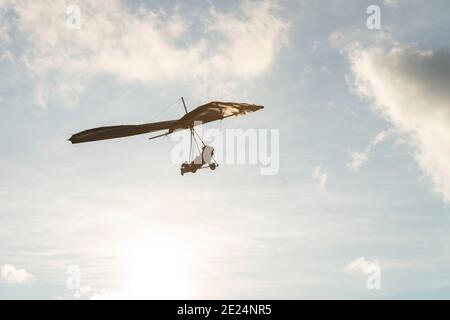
(184, 105)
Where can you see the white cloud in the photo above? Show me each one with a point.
(358, 158)
(82, 292)
(12, 275)
(409, 87)
(351, 39)
(362, 265)
(144, 46)
(320, 177)
(248, 45)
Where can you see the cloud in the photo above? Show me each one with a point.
(143, 46)
(4, 27)
(320, 177)
(351, 39)
(362, 265)
(409, 88)
(358, 158)
(248, 45)
(12, 275)
(82, 292)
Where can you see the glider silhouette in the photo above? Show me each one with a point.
(209, 112)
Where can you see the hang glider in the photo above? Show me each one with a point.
(206, 113)
(209, 112)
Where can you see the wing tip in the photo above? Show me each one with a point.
(72, 140)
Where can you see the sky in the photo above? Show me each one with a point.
(358, 207)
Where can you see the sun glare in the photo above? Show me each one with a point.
(156, 270)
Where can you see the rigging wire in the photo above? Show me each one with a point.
(204, 145)
(198, 147)
(190, 147)
(193, 134)
(165, 109)
(199, 137)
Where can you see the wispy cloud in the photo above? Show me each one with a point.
(358, 158)
(362, 265)
(10, 274)
(82, 292)
(142, 46)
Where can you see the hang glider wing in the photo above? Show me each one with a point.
(206, 113)
(214, 111)
(105, 133)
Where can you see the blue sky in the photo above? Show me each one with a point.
(120, 211)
